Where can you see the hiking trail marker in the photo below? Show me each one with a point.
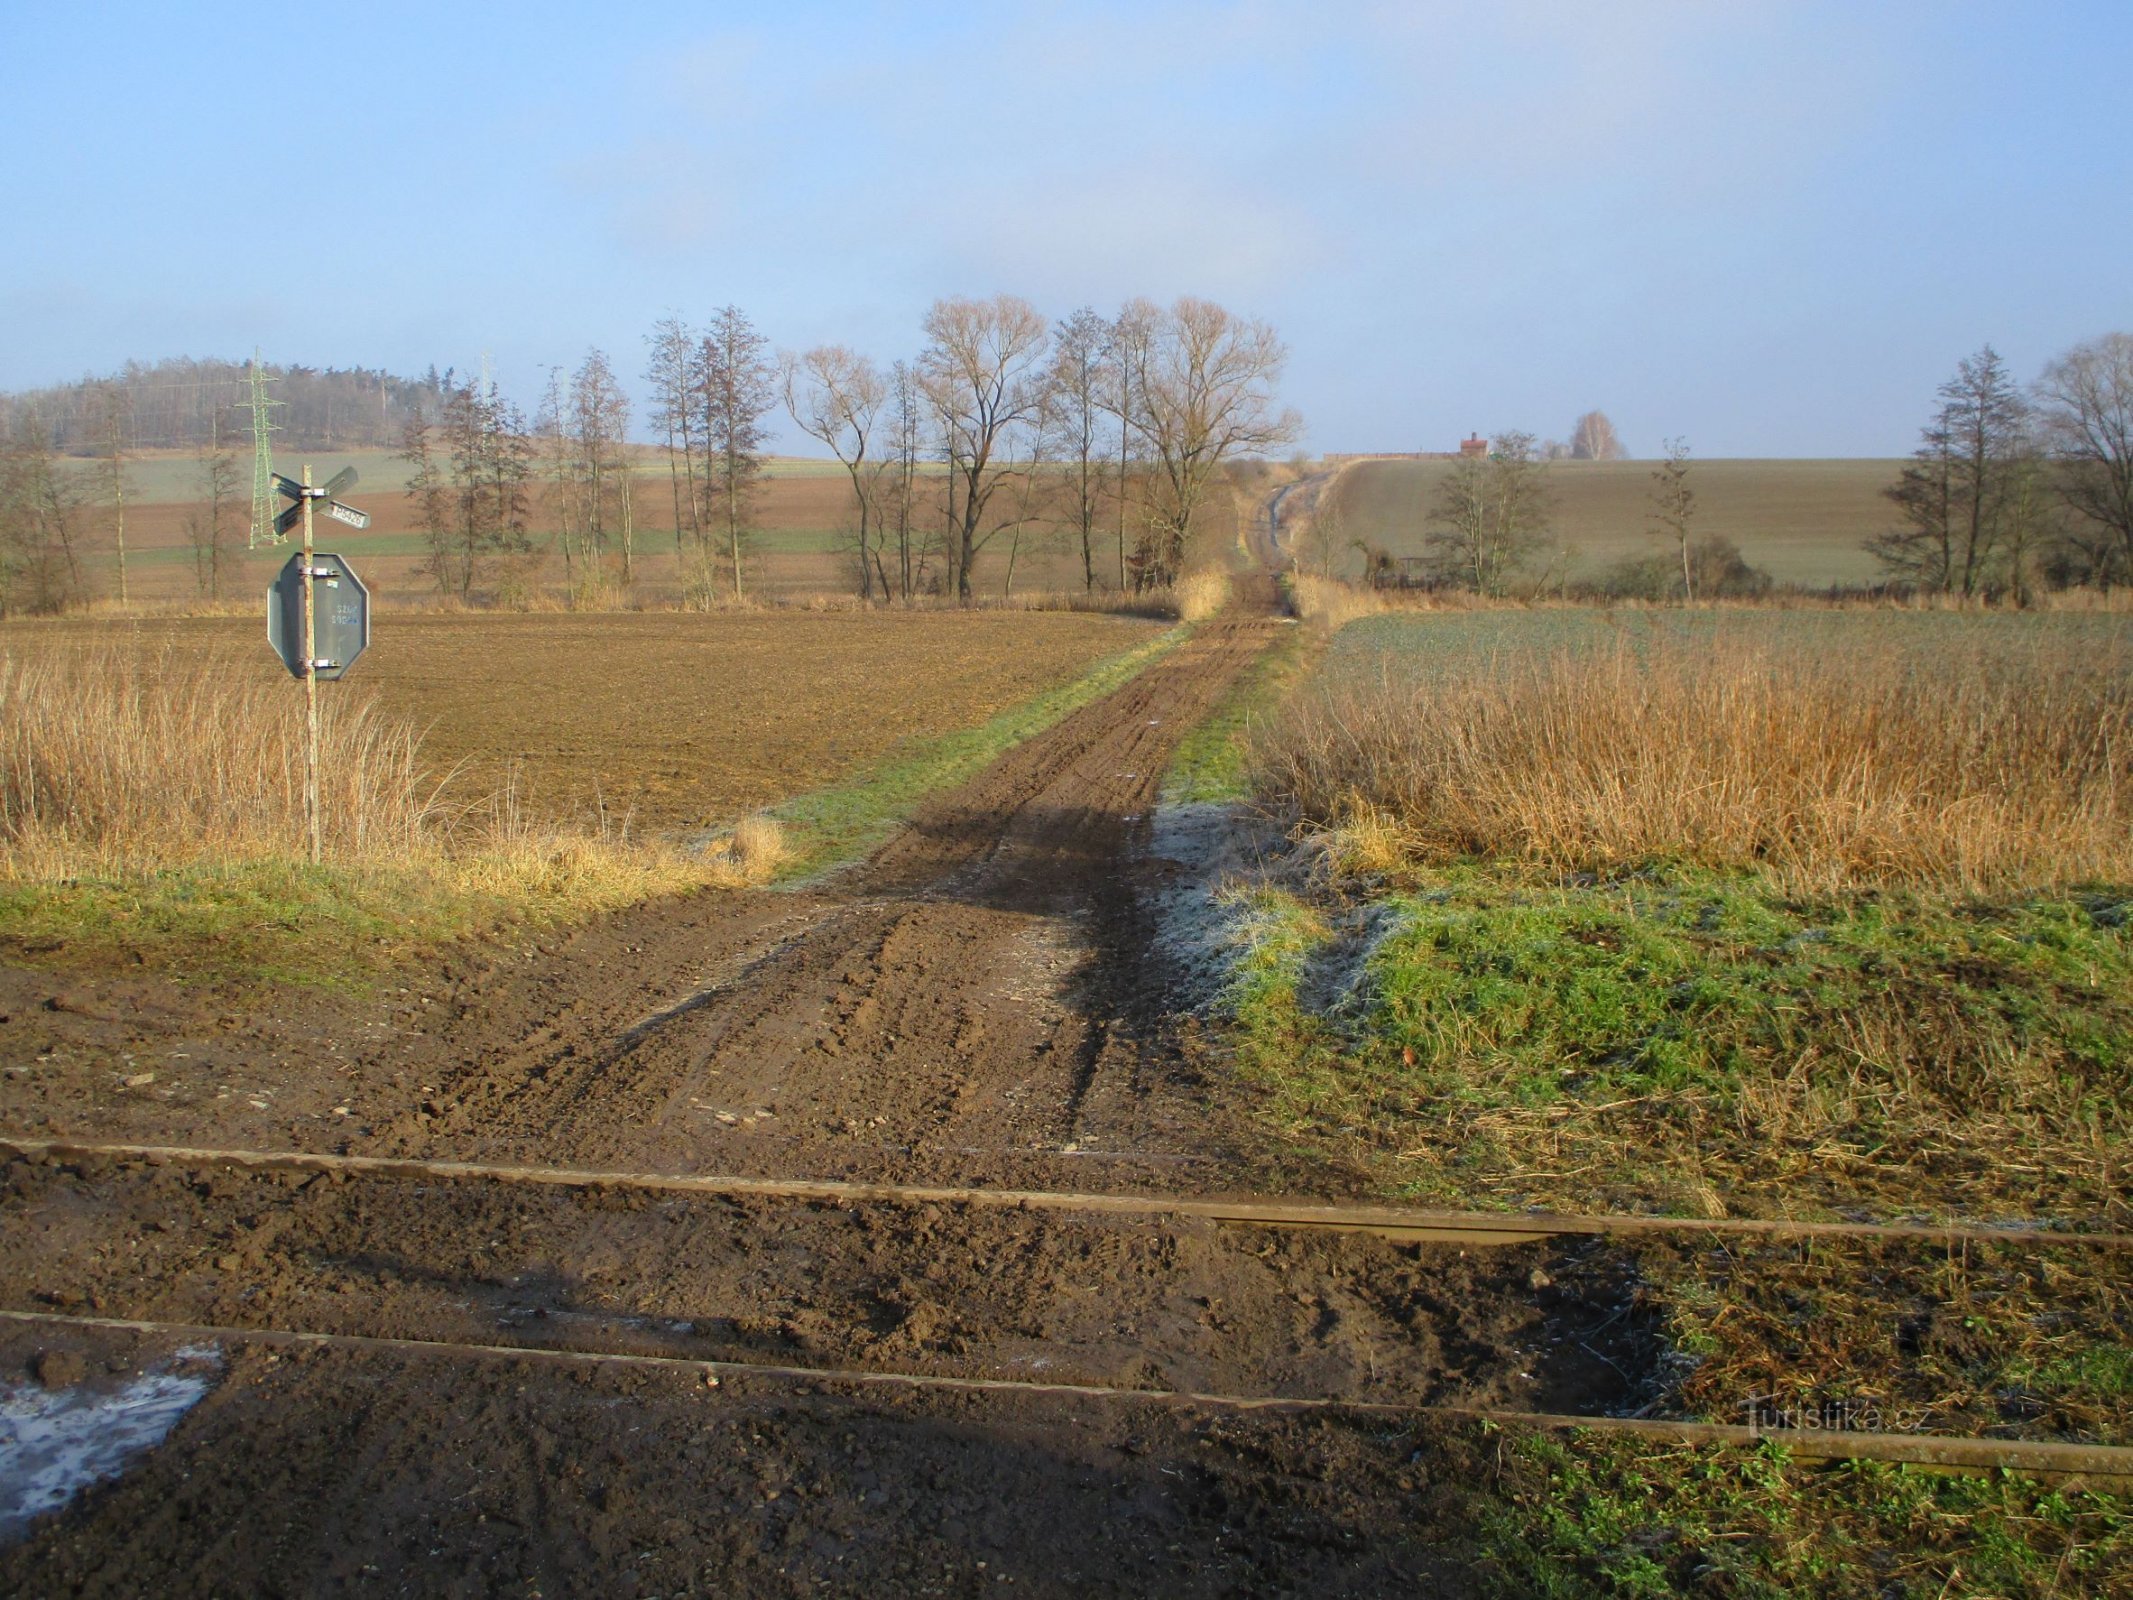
(318, 613)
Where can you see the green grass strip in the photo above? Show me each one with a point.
(1209, 764)
(847, 820)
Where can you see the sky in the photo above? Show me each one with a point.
(1769, 228)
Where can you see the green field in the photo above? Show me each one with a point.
(1800, 521)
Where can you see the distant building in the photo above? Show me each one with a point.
(1473, 445)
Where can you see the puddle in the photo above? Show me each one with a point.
(55, 1443)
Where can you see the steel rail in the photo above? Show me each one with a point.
(1422, 1226)
(1940, 1452)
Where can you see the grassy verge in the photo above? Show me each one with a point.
(1896, 1335)
(1588, 1515)
(846, 820)
(1696, 1043)
(340, 926)
(1210, 764)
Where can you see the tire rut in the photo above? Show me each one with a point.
(946, 1009)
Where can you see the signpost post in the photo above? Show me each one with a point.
(293, 615)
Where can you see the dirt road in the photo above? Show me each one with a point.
(981, 1003)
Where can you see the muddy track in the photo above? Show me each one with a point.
(973, 1002)
(1184, 1304)
(980, 1003)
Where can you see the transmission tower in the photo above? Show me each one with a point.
(263, 504)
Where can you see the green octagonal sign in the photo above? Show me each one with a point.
(340, 622)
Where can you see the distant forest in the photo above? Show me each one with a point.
(187, 405)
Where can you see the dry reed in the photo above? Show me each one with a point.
(1199, 595)
(108, 765)
(113, 766)
(2005, 768)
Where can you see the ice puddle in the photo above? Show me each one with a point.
(55, 1443)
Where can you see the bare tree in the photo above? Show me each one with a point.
(112, 405)
(1674, 509)
(1490, 515)
(471, 470)
(1593, 438)
(1132, 336)
(40, 522)
(907, 430)
(599, 420)
(736, 386)
(2032, 524)
(209, 532)
(1206, 396)
(1023, 522)
(983, 370)
(1954, 494)
(2085, 401)
(836, 395)
(1080, 351)
(551, 427)
(669, 372)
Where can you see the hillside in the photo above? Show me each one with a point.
(1801, 521)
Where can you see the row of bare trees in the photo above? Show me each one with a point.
(53, 516)
(471, 475)
(2010, 488)
(712, 394)
(1111, 432)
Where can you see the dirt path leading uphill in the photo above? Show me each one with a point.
(976, 1003)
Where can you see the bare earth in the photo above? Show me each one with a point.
(979, 1004)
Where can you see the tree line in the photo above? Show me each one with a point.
(2015, 488)
(187, 404)
(1002, 432)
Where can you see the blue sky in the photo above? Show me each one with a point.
(1770, 227)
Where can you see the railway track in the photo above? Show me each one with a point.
(303, 1291)
(579, 1292)
(1389, 1222)
(2102, 1464)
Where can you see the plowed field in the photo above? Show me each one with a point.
(666, 717)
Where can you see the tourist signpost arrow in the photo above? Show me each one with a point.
(301, 494)
(317, 638)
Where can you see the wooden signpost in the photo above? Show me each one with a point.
(316, 640)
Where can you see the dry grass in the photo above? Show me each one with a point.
(1332, 603)
(114, 766)
(2005, 766)
(1199, 595)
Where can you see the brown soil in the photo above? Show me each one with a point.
(981, 1004)
(662, 718)
(333, 1473)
